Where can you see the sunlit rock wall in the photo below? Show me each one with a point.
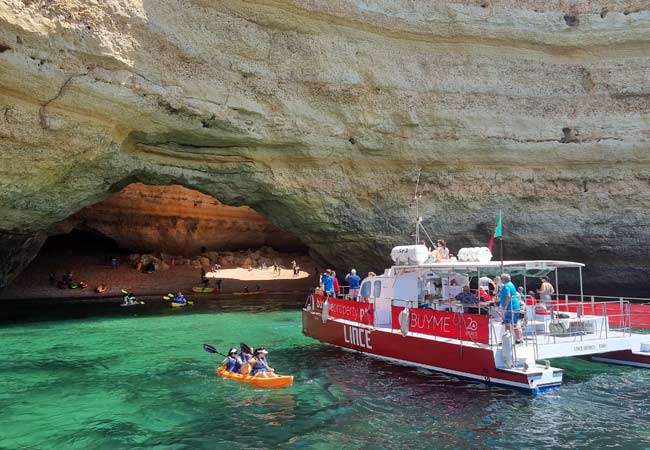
(177, 220)
(316, 114)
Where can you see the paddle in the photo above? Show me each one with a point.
(210, 349)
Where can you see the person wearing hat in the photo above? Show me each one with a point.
(230, 363)
(259, 367)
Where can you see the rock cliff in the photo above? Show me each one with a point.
(316, 113)
(177, 221)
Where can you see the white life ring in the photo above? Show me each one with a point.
(403, 319)
(326, 312)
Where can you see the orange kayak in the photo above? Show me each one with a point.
(275, 382)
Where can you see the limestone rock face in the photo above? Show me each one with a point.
(316, 114)
(177, 220)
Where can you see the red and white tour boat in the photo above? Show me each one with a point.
(409, 315)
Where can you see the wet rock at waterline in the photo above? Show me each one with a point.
(316, 115)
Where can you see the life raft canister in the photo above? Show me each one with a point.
(403, 320)
(326, 312)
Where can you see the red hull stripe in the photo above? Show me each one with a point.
(465, 361)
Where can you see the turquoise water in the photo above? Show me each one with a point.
(126, 381)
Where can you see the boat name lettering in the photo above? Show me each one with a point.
(419, 321)
(584, 348)
(357, 336)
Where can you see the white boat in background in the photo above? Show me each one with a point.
(409, 315)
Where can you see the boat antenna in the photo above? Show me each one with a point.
(418, 219)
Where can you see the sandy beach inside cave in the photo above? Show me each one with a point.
(91, 265)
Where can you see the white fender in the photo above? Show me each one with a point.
(403, 319)
(326, 312)
(506, 349)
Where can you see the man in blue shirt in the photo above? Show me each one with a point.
(355, 283)
(509, 300)
(328, 283)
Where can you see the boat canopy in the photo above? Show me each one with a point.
(535, 268)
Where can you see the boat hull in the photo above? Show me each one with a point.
(624, 358)
(443, 355)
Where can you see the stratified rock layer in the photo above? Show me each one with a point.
(317, 113)
(177, 220)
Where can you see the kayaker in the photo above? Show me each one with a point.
(258, 364)
(242, 360)
(230, 363)
(180, 298)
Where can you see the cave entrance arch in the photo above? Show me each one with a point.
(176, 220)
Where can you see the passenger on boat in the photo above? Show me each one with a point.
(486, 283)
(466, 297)
(180, 298)
(441, 253)
(354, 282)
(510, 305)
(498, 284)
(470, 301)
(337, 286)
(484, 296)
(545, 291)
(230, 363)
(259, 366)
(530, 298)
(327, 281)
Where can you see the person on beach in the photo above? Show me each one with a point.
(68, 277)
(114, 263)
(354, 282)
(219, 281)
(259, 366)
(204, 279)
(327, 283)
(231, 362)
(509, 301)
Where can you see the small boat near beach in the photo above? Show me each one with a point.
(182, 305)
(279, 381)
(135, 303)
(201, 289)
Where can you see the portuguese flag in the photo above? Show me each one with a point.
(497, 231)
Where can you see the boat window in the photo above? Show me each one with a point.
(366, 289)
(377, 288)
